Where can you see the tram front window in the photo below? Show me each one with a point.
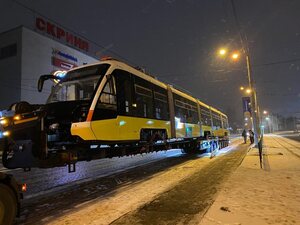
(78, 84)
(74, 90)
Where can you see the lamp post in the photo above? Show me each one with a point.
(251, 90)
(245, 47)
(255, 109)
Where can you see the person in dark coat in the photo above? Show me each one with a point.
(251, 136)
(244, 134)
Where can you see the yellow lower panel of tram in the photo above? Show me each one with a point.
(221, 132)
(187, 130)
(121, 128)
(206, 128)
(83, 130)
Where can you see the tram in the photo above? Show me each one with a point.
(103, 110)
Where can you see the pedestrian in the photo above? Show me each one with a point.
(251, 136)
(244, 134)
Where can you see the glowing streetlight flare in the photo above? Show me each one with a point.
(222, 51)
(235, 56)
(248, 91)
(265, 112)
(242, 88)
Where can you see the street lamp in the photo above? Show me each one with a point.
(245, 48)
(222, 51)
(235, 56)
(250, 90)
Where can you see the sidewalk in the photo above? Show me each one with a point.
(257, 196)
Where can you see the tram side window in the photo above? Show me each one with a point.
(181, 111)
(144, 98)
(185, 109)
(161, 108)
(225, 122)
(124, 83)
(205, 116)
(216, 120)
(106, 107)
(192, 112)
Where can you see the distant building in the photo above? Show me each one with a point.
(25, 55)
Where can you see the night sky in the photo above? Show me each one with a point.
(177, 41)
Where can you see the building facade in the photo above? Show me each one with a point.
(24, 56)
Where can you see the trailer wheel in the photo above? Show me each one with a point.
(8, 205)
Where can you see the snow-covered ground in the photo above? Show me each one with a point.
(106, 209)
(257, 196)
(250, 195)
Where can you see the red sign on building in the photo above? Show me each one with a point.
(62, 64)
(61, 34)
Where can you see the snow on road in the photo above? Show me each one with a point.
(108, 208)
(257, 196)
(43, 181)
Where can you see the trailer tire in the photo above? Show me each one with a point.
(8, 205)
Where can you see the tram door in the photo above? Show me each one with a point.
(104, 122)
(127, 106)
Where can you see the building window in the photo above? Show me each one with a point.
(8, 51)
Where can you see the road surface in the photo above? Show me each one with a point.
(53, 193)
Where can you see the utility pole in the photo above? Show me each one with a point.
(254, 107)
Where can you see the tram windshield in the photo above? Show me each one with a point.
(78, 84)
